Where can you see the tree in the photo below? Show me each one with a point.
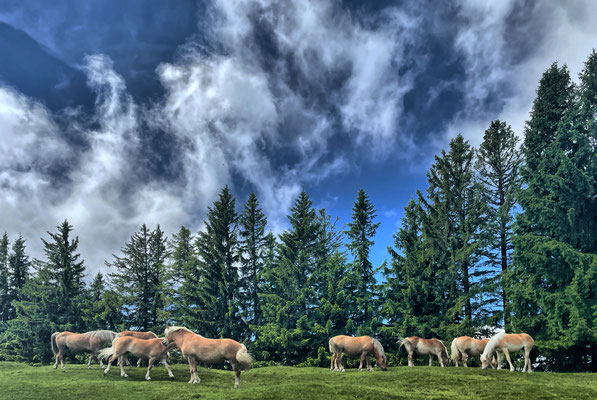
(4, 283)
(360, 233)
(217, 249)
(139, 276)
(184, 276)
(453, 224)
(253, 251)
(18, 267)
(555, 265)
(498, 162)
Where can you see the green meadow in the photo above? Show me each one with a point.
(21, 381)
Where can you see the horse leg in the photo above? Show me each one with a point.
(139, 363)
(363, 355)
(410, 359)
(193, 367)
(507, 354)
(149, 365)
(165, 362)
(341, 365)
(464, 359)
(369, 367)
(430, 360)
(332, 362)
(527, 360)
(236, 374)
(499, 359)
(110, 361)
(122, 372)
(61, 355)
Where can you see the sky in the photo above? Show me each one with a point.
(114, 114)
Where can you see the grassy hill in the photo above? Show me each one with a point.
(21, 381)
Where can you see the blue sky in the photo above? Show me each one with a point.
(114, 114)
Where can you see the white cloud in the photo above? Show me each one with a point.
(562, 31)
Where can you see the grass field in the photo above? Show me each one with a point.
(21, 381)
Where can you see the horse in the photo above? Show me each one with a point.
(505, 343)
(152, 349)
(425, 346)
(91, 342)
(196, 348)
(139, 335)
(464, 346)
(354, 347)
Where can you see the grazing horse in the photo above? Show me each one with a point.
(139, 335)
(197, 348)
(425, 346)
(152, 349)
(464, 346)
(505, 343)
(354, 347)
(91, 342)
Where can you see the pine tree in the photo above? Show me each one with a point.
(18, 267)
(217, 249)
(4, 283)
(498, 162)
(360, 233)
(253, 250)
(184, 275)
(68, 271)
(139, 276)
(452, 223)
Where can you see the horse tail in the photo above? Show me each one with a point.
(244, 358)
(401, 341)
(332, 345)
(455, 352)
(108, 351)
(54, 344)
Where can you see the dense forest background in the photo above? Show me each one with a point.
(504, 236)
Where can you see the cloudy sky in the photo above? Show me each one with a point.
(114, 114)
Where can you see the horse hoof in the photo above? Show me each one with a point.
(147, 378)
(89, 367)
(237, 386)
(171, 378)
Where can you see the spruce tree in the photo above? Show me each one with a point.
(68, 270)
(253, 250)
(185, 278)
(360, 233)
(4, 283)
(453, 224)
(498, 162)
(217, 248)
(18, 267)
(139, 276)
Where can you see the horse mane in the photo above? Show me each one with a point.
(379, 347)
(103, 334)
(490, 346)
(172, 329)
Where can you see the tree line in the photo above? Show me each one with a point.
(504, 235)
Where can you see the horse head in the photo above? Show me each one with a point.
(380, 355)
(485, 361)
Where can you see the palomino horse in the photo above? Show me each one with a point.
(152, 349)
(431, 347)
(354, 347)
(464, 346)
(91, 342)
(139, 335)
(505, 343)
(196, 348)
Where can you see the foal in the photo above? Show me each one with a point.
(425, 346)
(152, 349)
(354, 347)
(197, 348)
(139, 335)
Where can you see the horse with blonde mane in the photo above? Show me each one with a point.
(361, 346)
(196, 348)
(139, 335)
(89, 342)
(151, 349)
(505, 343)
(431, 347)
(464, 346)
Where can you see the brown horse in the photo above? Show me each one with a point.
(505, 343)
(90, 342)
(354, 347)
(139, 335)
(421, 346)
(464, 346)
(196, 348)
(152, 349)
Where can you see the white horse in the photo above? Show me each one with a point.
(91, 342)
(505, 343)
